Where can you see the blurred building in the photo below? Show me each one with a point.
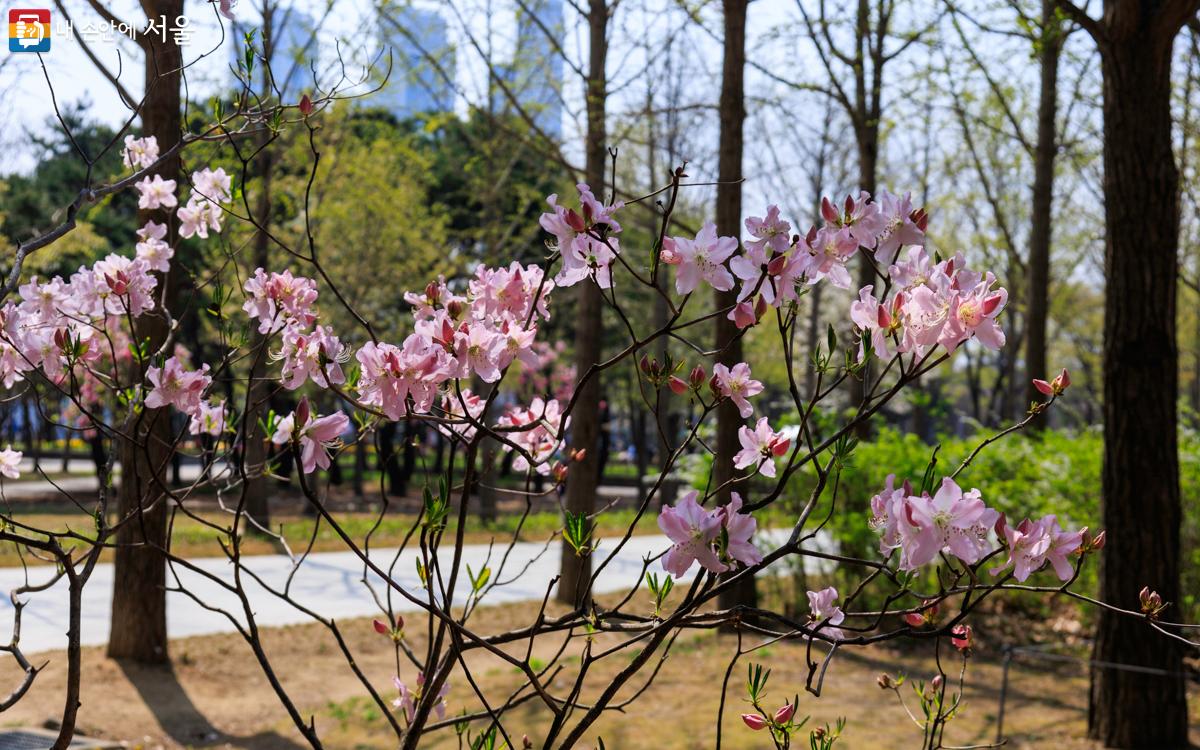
(292, 39)
(536, 73)
(423, 63)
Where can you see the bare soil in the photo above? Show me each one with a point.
(214, 694)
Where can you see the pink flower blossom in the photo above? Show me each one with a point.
(824, 613)
(831, 249)
(10, 462)
(175, 386)
(951, 521)
(315, 355)
(139, 153)
(391, 375)
(152, 249)
(315, 436)
(770, 233)
(737, 384)
(693, 531)
(961, 637)
(1055, 387)
(279, 298)
(1032, 544)
(702, 259)
(155, 192)
(899, 227)
(760, 447)
(739, 530)
(578, 236)
(209, 420)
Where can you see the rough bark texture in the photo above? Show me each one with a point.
(139, 608)
(1043, 200)
(585, 419)
(732, 111)
(1141, 466)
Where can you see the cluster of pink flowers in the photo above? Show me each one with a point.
(178, 387)
(760, 447)
(406, 701)
(139, 153)
(210, 188)
(718, 539)
(931, 304)
(824, 613)
(479, 334)
(538, 429)
(775, 265)
(586, 238)
(960, 524)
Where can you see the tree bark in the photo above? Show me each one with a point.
(585, 418)
(139, 605)
(1041, 234)
(1141, 500)
(732, 113)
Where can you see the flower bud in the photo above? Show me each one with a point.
(306, 105)
(828, 212)
(754, 721)
(742, 315)
(579, 455)
(678, 387)
(696, 378)
(962, 638)
(777, 264)
(884, 681)
(644, 364)
(303, 411)
(454, 309)
(784, 714)
(381, 627)
(937, 682)
(526, 743)
(1098, 542)
(575, 221)
(669, 254)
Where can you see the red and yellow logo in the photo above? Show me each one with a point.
(29, 30)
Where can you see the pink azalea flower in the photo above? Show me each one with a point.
(824, 611)
(888, 510)
(315, 436)
(10, 462)
(770, 232)
(583, 255)
(950, 521)
(208, 420)
(311, 356)
(702, 259)
(899, 228)
(693, 530)
(152, 249)
(831, 249)
(155, 192)
(175, 386)
(737, 384)
(739, 530)
(760, 447)
(278, 299)
(139, 153)
(961, 637)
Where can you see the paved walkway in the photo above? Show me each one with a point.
(330, 583)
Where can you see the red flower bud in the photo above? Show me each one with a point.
(696, 378)
(828, 212)
(575, 221)
(777, 264)
(306, 105)
(678, 387)
(381, 627)
(303, 411)
(961, 636)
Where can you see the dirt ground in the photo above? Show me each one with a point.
(215, 694)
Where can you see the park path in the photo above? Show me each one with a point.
(329, 583)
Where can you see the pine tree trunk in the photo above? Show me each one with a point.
(1040, 234)
(732, 113)
(582, 479)
(139, 606)
(1141, 467)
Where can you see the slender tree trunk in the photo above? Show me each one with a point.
(139, 605)
(732, 112)
(1043, 200)
(585, 419)
(1141, 465)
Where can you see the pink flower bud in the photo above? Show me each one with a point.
(937, 682)
(303, 411)
(780, 447)
(575, 221)
(743, 315)
(306, 105)
(828, 212)
(777, 264)
(678, 387)
(381, 627)
(1043, 387)
(961, 636)
(760, 308)
(915, 619)
(526, 743)
(784, 714)
(884, 681)
(920, 218)
(754, 721)
(696, 378)
(1098, 542)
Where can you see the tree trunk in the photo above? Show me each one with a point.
(732, 112)
(1043, 201)
(139, 605)
(585, 419)
(1141, 467)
